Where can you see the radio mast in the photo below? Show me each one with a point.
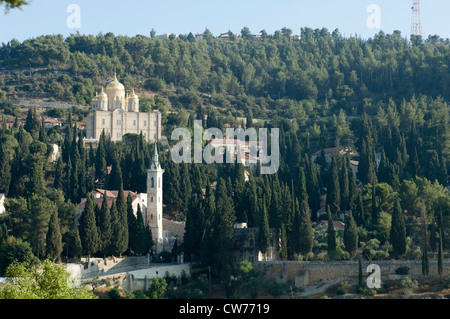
(416, 24)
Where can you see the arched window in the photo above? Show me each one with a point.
(159, 182)
(152, 181)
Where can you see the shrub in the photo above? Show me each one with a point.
(407, 286)
(114, 293)
(402, 270)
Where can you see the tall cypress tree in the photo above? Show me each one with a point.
(132, 225)
(142, 244)
(105, 227)
(350, 236)
(331, 239)
(222, 230)
(88, 228)
(264, 234)
(54, 246)
(283, 250)
(100, 159)
(194, 225)
(305, 228)
(360, 214)
(333, 191)
(121, 224)
(398, 230)
(344, 187)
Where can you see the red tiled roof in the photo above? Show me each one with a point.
(336, 224)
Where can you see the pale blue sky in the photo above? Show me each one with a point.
(132, 17)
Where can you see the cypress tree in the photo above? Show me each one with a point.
(283, 250)
(132, 224)
(264, 233)
(352, 187)
(398, 230)
(313, 187)
(100, 159)
(333, 192)
(121, 224)
(344, 187)
(105, 227)
(141, 245)
(360, 214)
(305, 228)
(350, 236)
(115, 178)
(194, 225)
(440, 253)
(88, 228)
(54, 247)
(222, 230)
(331, 239)
(5, 169)
(375, 215)
(59, 174)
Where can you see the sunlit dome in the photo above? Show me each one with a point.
(115, 85)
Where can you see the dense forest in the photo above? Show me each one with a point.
(385, 99)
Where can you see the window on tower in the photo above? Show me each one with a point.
(152, 182)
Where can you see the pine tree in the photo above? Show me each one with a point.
(331, 239)
(54, 247)
(350, 236)
(88, 228)
(398, 230)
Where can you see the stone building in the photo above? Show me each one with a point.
(117, 113)
(246, 244)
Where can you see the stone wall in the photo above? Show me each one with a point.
(132, 273)
(305, 272)
(45, 104)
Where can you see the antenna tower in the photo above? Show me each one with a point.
(416, 24)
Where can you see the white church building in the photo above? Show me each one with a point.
(117, 113)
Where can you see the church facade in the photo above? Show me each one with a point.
(117, 114)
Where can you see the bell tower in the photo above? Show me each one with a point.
(154, 201)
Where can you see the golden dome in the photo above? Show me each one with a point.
(103, 95)
(115, 85)
(133, 95)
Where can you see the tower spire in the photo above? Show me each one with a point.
(155, 158)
